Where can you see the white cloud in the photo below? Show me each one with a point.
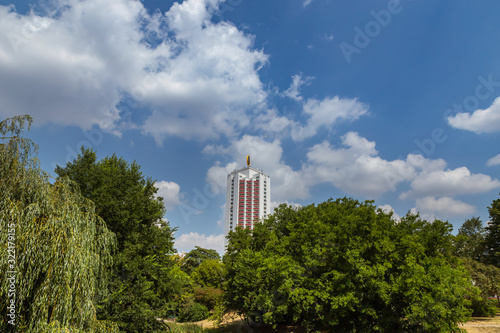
(494, 161)
(217, 176)
(286, 183)
(199, 82)
(388, 209)
(270, 122)
(356, 169)
(170, 192)
(211, 81)
(444, 207)
(449, 182)
(187, 242)
(294, 90)
(480, 121)
(326, 113)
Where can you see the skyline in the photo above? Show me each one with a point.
(392, 101)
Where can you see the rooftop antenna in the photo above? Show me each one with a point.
(248, 160)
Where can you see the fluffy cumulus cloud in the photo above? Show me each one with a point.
(286, 183)
(271, 122)
(480, 121)
(356, 168)
(170, 192)
(494, 161)
(187, 242)
(444, 207)
(314, 114)
(217, 176)
(388, 210)
(84, 62)
(325, 113)
(442, 182)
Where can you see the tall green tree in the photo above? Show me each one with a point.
(196, 257)
(54, 249)
(470, 246)
(346, 266)
(492, 239)
(209, 273)
(470, 240)
(143, 280)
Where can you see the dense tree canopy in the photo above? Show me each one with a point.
(347, 266)
(492, 239)
(209, 273)
(144, 279)
(60, 249)
(124, 197)
(475, 245)
(196, 257)
(470, 240)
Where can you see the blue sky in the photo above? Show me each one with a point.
(395, 101)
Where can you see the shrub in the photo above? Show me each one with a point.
(483, 308)
(208, 296)
(193, 311)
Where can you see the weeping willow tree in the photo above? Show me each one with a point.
(62, 248)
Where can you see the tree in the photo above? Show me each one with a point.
(347, 266)
(471, 248)
(492, 239)
(209, 273)
(196, 257)
(470, 240)
(52, 239)
(144, 279)
(124, 197)
(487, 279)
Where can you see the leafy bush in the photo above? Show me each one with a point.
(208, 296)
(209, 273)
(483, 308)
(347, 266)
(193, 311)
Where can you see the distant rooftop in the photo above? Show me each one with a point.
(248, 167)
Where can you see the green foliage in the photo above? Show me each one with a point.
(485, 277)
(124, 198)
(470, 239)
(144, 280)
(346, 266)
(492, 239)
(196, 257)
(62, 248)
(471, 246)
(208, 296)
(192, 311)
(483, 307)
(209, 273)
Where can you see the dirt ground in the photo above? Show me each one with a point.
(233, 323)
(483, 325)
